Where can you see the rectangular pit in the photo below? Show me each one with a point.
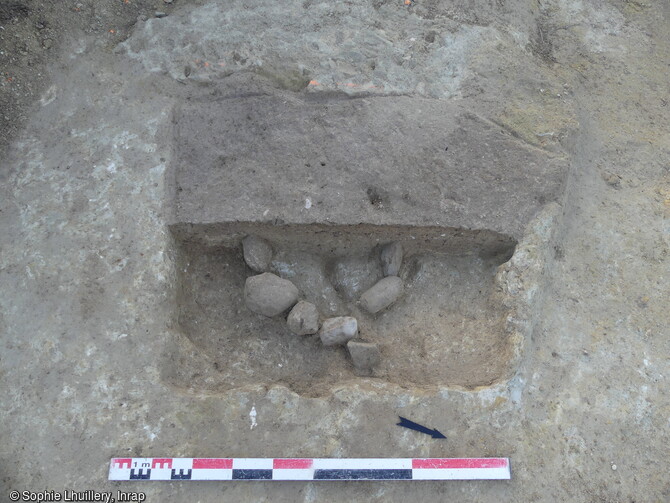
(446, 329)
(327, 180)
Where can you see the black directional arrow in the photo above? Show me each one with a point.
(417, 427)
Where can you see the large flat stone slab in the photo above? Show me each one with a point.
(299, 158)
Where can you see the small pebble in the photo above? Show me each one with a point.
(160, 14)
(612, 179)
(382, 295)
(391, 259)
(303, 319)
(365, 355)
(338, 330)
(257, 253)
(269, 295)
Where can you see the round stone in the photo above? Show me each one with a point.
(382, 295)
(269, 295)
(257, 253)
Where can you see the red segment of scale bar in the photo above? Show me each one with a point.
(212, 463)
(460, 463)
(123, 462)
(296, 464)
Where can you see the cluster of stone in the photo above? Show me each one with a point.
(269, 295)
(387, 290)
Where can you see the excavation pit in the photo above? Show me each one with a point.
(328, 180)
(446, 330)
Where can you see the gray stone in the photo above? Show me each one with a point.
(269, 295)
(308, 273)
(365, 355)
(338, 330)
(382, 295)
(257, 253)
(351, 276)
(391, 259)
(303, 319)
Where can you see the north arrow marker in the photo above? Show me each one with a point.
(406, 423)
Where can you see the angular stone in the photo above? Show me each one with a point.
(257, 253)
(382, 295)
(269, 295)
(391, 259)
(303, 319)
(338, 330)
(365, 355)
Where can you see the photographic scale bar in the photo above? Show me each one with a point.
(309, 469)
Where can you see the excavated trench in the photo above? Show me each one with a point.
(446, 330)
(327, 181)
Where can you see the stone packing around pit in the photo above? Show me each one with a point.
(269, 295)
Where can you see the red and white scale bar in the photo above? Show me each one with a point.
(309, 469)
